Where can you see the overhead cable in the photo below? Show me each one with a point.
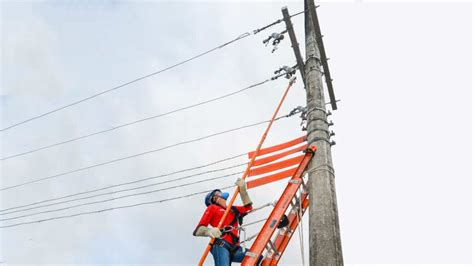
(242, 36)
(126, 183)
(113, 208)
(124, 190)
(125, 84)
(136, 121)
(121, 197)
(136, 155)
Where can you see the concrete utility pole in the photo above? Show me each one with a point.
(324, 237)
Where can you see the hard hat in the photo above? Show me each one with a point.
(208, 198)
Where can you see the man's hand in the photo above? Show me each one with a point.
(241, 184)
(214, 232)
(244, 195)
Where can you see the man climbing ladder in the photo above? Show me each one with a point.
(226, 247)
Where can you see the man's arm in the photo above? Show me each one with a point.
(202, 229)
(244, 195)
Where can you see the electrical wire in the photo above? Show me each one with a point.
(136, 121)
(127, 189)
(113, 208)
(136, 155)
(242, 36)
(126, 183)
(125, 84)
(299, 13)
(122, 197)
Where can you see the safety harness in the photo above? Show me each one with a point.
(227, 230)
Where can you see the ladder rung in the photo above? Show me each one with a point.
(272, 247)
(251, 254)
(293, 181)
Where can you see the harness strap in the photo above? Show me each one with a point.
(238, 218)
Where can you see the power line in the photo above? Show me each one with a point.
(127, 83)
(136, 121)
(127, 189)
(295, 111)
(113, 208)
(121, 197)
(136, 155)
(242, 36)
(126, 183)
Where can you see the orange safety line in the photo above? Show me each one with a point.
(278, 156)
(271, 178)
(276, 166)
(259, 146)
(278, 147)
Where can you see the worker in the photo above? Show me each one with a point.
(226, 247)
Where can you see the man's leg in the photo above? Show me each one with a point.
(239, 255)
(221, 255)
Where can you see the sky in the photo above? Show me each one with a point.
(403, 157)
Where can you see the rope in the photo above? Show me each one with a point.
(300, 229)
(249, 239)
(263, 206)
(252, 223)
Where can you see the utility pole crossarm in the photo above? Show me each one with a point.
(294, 43)
(322, 52)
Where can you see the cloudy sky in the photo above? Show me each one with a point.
(403, 129)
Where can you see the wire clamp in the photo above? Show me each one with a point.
(288, 72)
(277, 38)
(292, 80)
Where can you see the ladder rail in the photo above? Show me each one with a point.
(281, 242)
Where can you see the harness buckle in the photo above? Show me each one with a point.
(220, 243)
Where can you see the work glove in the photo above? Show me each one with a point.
(241, 184)
(214, 232)
(206, 231)
(244, 195)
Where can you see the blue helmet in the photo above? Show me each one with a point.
(208, 199)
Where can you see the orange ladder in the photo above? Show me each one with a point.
(289, 197)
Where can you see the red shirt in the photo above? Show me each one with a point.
(214, 213)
